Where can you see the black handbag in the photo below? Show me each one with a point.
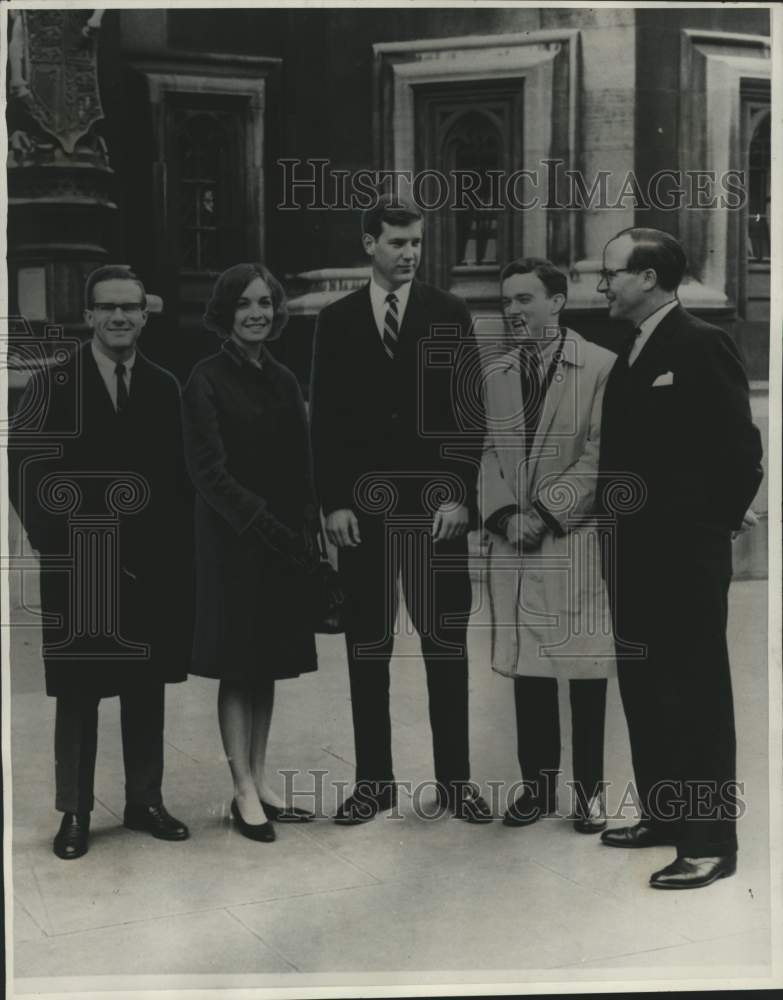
(328, 598)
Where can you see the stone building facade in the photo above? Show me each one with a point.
(182, 141)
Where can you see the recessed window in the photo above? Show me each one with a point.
(759, 167)
(202, 140)
(474, 146)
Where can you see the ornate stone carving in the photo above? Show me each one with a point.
(54, 85)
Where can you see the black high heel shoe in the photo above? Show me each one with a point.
(263, 832)
(592, 817)
(287, 814)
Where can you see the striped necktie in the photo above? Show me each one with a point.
(391, 326)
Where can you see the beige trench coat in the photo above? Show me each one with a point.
(549, 608)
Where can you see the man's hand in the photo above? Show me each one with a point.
(342, 529)
(451, 521)
(526, 530)
(750, 520)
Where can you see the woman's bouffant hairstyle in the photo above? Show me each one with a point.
(228, 289)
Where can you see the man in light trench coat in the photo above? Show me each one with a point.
(550, 616)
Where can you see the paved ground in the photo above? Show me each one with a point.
(405, 896)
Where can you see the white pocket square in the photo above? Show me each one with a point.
(666, 379)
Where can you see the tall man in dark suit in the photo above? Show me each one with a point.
(397, 499)
(677, 433)
(99, 481)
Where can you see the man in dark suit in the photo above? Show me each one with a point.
(680, 464)
(99, 481)
(397, 499)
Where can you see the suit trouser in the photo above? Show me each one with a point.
(678, 702)
(76, 742)
(433, 590)
(538, 734)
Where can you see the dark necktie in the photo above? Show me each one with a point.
(122, 389)
(626, 346)
(533, 390)
(391, 326)
(632, 339)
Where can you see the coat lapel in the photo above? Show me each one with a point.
(414, 314)
(655, 352)
(95, 388)
(511, 454)
(139, 387)
(554, 398)
(366, 329)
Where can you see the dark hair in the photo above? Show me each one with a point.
(110, 272)
(551, 277)
(228, 289)
(658, 251)
(391, 210)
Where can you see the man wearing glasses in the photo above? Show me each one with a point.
(679, 466)
(99, 481)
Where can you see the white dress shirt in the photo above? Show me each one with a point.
(647, 327)
(380, 306)
(106, 367)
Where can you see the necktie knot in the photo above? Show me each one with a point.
(627, 344)
(119, 370)
(391, 298)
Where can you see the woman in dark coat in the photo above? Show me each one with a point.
(248, 454)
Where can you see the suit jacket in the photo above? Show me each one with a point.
(549, 609)
(370, 414)
(689, 439)
(68, 429)
(680, 465)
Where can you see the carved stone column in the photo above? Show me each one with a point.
(61, 213)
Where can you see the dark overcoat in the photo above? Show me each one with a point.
(248, 454)
(678, 439)
(105, 499)
(680, 464)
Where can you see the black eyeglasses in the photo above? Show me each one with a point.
(607, 275)
(124, 307)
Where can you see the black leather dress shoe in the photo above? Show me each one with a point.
(527, 808)
(72, 838)
(286, 814)
(463, 801)
(640, 835)
(368, 799)
(592, 818)
(693, 873)
(155, 820)
(262, 832)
